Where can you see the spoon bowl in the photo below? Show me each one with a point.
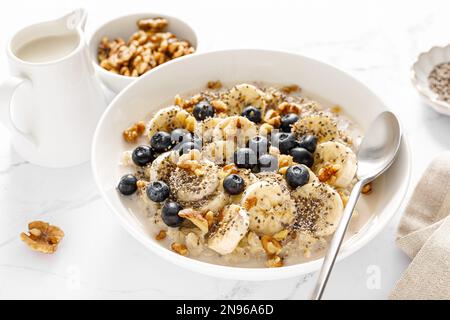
(377, 152)
(379, 146)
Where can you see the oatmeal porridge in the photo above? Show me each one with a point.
(242, 175)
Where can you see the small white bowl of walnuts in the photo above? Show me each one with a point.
(129, 46)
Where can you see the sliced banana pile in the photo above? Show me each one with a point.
(168, 119)
(292, 191)
(162, 167)
(236, 129)
(319, 208)
(335, 164)
(220, 152)
(269, 205)
(232, 227)
(196, 182)
(244, 95)
(205, 129)
(320, 125)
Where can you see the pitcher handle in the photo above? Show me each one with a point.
(76, 19)
(7, 90)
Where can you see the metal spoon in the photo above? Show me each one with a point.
(376, 154)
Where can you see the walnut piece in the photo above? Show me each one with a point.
(250, 203)
(219, 106)
(214, 85)
(290, 89)
(191, 162)
(273, 118)
(274, 262)
(336, 109)
(367, 188)
(270, 245)
(180, 248)
(289, 107)
(134, 132)
(161, 235)
(284, 162)
(281, 235)
(153, 24)
(328, 172)
(188, 104)
(196, 218)
(42, 237)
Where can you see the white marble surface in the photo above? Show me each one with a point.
(376, 41)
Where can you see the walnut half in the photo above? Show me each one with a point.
(42, 237)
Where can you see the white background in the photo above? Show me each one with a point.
(376, 41)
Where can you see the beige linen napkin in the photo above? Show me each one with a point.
(424, 235)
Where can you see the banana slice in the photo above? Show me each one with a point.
(205, 129)
(162, 167)
(320, 125)
(319, 208)
(220, 152)
(335, 163)
(243, 95)
(167, 119)
(215, 202)
(275, 177)
(235, 128)
(189, 186)
(230, 230)
(269, 205)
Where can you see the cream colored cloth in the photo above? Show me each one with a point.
(424, 235)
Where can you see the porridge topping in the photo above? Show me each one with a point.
(180, 248)
(367, 188)
(162, 234)
(134, 132)
(274, 262)
(439, 81)
(147, 48)
(245, 173)
(42, 237)
(290, 89)
(215, 85)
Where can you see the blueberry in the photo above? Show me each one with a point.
(268, 162)
(259, 145)
(253, 114)
(297, 176)
(188, 146)
(180, 135)
(233, 184)
(158, 191)
(245, 158)
(287, 121)
(302, 156)
(169, 214)
(285, 141)
(309, 142)
(142, 155)
(127, 185)
(203, 110)
(161, 141)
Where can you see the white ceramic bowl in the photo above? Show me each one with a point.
(189, 73)
(124, 27)
(419, 76)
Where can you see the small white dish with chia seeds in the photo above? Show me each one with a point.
(430, 75)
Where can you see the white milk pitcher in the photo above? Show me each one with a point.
(53, 100)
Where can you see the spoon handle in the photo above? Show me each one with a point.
(336, 242)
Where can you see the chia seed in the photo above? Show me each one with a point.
(439, 81)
